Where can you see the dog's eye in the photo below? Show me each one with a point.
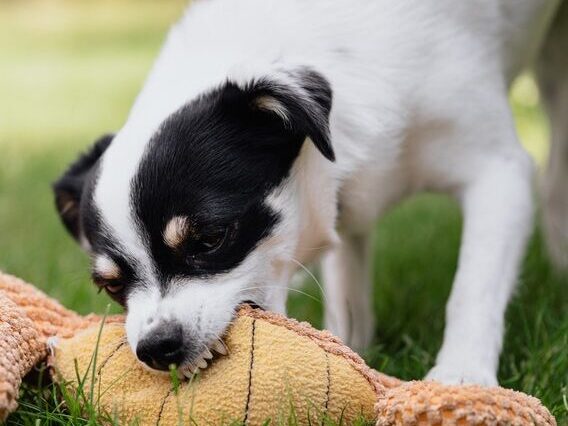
(114, 288)
(211, 242)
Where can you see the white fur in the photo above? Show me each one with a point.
(419, 103)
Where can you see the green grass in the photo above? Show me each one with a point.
(70, 71)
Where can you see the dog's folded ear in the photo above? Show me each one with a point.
(68, 189)
(301, 100)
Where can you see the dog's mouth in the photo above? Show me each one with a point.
(214, 349)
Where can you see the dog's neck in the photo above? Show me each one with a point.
(318, 192)
(309, 199)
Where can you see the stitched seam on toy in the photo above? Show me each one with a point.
(328, 373)
(115, 350)
(328, 343)
(162, 406)
(250, 371)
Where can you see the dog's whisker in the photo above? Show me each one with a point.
(322, 247)
(306, 269)
(286, 288)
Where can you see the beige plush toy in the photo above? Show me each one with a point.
(275, 367)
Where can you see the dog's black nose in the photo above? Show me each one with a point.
(163, 347)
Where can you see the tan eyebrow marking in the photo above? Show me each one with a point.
(176, 231)
(106, 268)
(269, 103)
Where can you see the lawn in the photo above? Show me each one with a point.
(69, 72)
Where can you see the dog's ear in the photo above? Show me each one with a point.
(68, 189)
(303, 104)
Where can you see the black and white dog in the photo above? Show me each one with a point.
(271, 132)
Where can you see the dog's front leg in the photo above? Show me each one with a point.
(347, 282)
(497, 209)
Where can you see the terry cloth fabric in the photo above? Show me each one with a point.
(27, 319)
(428, 403)
(21, 348)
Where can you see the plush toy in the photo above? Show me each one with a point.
(273, 364)
(275, 367)
(28, 318)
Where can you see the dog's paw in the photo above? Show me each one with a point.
(452, 375)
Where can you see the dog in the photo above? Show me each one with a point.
(271, 133)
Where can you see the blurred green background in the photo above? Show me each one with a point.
(69, 71)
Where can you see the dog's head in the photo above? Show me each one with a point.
(207, 215)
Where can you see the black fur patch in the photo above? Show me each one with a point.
(309, 107)
(68, 189)
(74, 201)
(215, 160)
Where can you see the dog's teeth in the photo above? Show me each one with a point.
(189, 370)
(183, 372)
(207, 354)
(201, 363)
(218, 346)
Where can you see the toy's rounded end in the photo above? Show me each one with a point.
(423, 403)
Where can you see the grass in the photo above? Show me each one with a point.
(70, 71)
